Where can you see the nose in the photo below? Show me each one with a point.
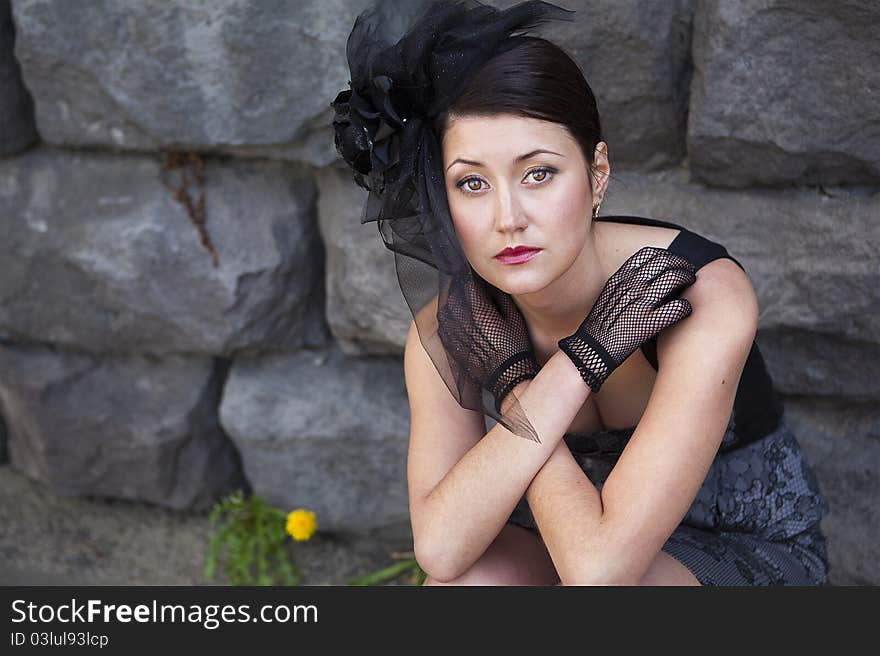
(509, 214)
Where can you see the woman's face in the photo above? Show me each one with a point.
(516, 181)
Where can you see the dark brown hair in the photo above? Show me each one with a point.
(534, 78)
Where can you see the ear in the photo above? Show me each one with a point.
(600, 171)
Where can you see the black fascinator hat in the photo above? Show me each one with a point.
(408, 61)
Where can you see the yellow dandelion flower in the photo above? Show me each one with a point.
(301, 524)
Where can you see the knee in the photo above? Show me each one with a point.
(430, 580)
(667, 570)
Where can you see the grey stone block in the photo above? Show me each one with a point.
(100, 257)
(17, 128)
(127, 428)
(219, 76)
(785, 92)
(842, 443)
(323, 431)
(822, 364)
(4, 437)
(366, 310)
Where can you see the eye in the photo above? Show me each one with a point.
(545, 173)
(467, 181)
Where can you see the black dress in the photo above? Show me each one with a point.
(755, 520)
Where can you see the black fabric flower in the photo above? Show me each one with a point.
(353, 138)
(408, 62)
(368, 139)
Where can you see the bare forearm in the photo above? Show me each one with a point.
(468, 508)
(567, 508)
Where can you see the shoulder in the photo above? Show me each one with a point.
(725, 290)
(616, 242)
(723, 319)
(721, 281)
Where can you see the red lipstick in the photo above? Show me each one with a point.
(517, 254)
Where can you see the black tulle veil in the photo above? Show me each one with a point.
(408, 62)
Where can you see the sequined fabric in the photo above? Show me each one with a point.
(755, 520)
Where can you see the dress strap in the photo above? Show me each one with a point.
(698, 250)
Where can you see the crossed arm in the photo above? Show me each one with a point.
(612, 537)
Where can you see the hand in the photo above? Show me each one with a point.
(630, 310)
(485, 335)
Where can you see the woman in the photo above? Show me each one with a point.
(660, 454)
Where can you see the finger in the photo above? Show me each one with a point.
(668, 285)
(659, 265)
(452, 321)
(644, 289)
(482, 302)
(457, 302)
(660, 321)
(654, 257)
(677, 261)
(636, 282)
(640, 258)
(681, 307)
(472, 291)
(505, 305)
(457, 347)
(639, 271)
(670, 314)
(627, 272)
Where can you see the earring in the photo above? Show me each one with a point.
(596, 210)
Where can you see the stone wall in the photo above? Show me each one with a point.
(189, 304)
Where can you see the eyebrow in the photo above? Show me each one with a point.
(518, 159)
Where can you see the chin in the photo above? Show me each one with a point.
(519, 285)
(515, 279)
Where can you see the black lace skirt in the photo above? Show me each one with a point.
(754, 521)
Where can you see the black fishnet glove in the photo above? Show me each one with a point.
(483, 331)
(630, 310)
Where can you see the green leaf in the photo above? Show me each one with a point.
(250, 540)
(386, 573)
